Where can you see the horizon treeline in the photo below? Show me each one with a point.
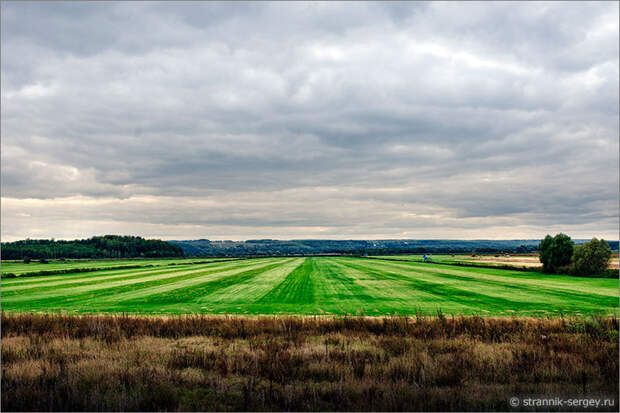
(205, 247)
(107, 246)
(116, 246)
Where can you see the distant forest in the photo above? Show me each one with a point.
(108, 246)
(206, 247)
(114, 246)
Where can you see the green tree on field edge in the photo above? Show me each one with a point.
(556, 253)
(592, 257)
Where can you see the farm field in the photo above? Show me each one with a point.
(491, 260)
(309, 286)
(20, 268)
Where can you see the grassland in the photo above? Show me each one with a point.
(518, 261)
(206, 363)
(194, 359)
(317, 285)
(34, 267)
(530, 262)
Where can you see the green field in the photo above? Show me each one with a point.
(460, 259)
(318, 285)
(20, 268)
(442, 258)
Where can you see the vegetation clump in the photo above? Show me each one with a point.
(592, 257)
(556, 252)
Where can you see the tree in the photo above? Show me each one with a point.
(544, 251)
(556, 252)
(591, 257)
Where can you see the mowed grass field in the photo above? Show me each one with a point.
(313, 285)
(19, 267)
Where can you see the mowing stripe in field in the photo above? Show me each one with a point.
(296, 288)
(185, 295)
(46, 279)
(526, 290)
(315, 286)
(252, 290)
(101, 271)
(525, 285)
(25, 281)
(445, 294)
(105, 276)
(150, 292)
(477, 293)
(95, 279)
(104, 282)
(337, 289)
(20, 268)
(605, 286)
(75, 294)
(391, 292)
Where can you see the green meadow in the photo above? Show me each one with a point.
(313, 285)
(20, 268)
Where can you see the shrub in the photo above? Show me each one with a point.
(591, 257)
(556, 252)
(26, 260)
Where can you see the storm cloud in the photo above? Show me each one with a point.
(310, 120)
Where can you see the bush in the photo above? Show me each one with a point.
(26, 260)
(591, 257)
(556, 252)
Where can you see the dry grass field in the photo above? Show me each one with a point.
(117, 363)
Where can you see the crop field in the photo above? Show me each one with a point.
(308, 286)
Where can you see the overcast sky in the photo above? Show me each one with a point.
(310, 120)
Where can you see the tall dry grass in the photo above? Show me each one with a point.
(58, 362)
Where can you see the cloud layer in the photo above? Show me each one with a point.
(322, 120)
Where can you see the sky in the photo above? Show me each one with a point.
(310, 120)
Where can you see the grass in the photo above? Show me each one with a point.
(317, 285)
(19, 268)
(542, 334)
(206, 363)
(465, 260)
(515, 261)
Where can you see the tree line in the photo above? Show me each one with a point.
(107, 246)
(205, 247)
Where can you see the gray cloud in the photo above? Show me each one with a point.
(337, 120)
